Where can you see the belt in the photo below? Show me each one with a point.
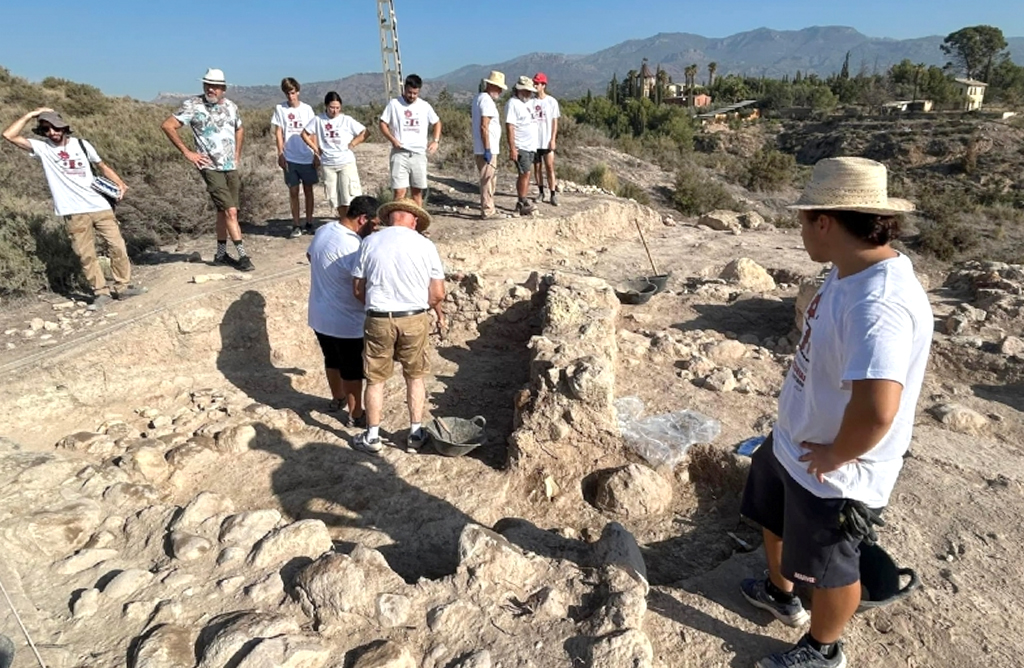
(394, 314)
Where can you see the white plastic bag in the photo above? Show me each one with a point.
(662, 440)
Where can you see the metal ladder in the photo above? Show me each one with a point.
(390, 56)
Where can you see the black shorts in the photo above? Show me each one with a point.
(814, 551)
(296, 173)
(345, 355)
(538, 157)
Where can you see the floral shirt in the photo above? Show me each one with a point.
(213, 126)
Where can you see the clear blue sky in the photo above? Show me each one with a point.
(139, 47)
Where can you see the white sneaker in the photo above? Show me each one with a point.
(364, 443)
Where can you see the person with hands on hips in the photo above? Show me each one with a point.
(331, 136)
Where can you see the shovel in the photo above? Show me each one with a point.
(657, 278)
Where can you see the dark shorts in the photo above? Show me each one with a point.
(524, 161)
(223, 187)
(295, 173)
(345, 355)
(538, 157)
(814, 550)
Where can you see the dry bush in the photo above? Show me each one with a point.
(694, 194)
(630, 190)
(769, 170)
(603, 177)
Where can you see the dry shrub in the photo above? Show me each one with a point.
(694, 194)
(603, 177)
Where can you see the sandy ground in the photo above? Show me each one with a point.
(955, 516)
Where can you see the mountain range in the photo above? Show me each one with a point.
(762, 52)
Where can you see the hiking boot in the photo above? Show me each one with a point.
(295, 233)
(129, 291)
(802, 655)
(359, 422)
(244, 264)
(225, 261)
(525, 208)
(335, 405)
(309, 228)
(99, 301)
(364, 443)
(554, 198)
(416, 440)
(756, 592)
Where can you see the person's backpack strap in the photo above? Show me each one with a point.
(81, 142)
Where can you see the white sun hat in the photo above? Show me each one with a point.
(215, 77)
(851, 184)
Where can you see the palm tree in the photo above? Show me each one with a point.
(691, 79)
(712, 68)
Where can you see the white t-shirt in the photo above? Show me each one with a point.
(333, 135)
(69, 175)
(398, 265)
(409, 122)
(333, 309)
(522, 117)
(484, 107)
(875, 324)
(546, 111)
(292, 121)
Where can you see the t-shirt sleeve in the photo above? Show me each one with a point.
(35, 144)
(556, 112)
(388, 114)
(878, 342)
(311, 126)
(357, 128)
(432, 116)
(436, 268)
(90, 153)
(359, 263)
(276, 118)
(238, 117)
(185, 112)
(509, 118)
(488, 109)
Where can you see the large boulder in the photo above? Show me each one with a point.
(305, 538)
(749, 275)
(722, 220)
(634, 491)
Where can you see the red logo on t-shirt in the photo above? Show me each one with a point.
(537, 108)
(291, 117)
(408, 113)
(63, 155)
(328, 126)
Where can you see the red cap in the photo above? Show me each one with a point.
(540, 77)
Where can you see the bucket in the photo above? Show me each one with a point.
(635, 291)
(880, 579)
(454, 437)
(659, 281)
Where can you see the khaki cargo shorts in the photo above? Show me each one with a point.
(224, 188)
(386, 340)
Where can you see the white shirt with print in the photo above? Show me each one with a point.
(523, 118)
(333, 309)
(875, 324)
(409, 123)
(213, 128)
(292, 121)
(547, 112)
(398, 265)
(484, 107)
(333, 135)
(69, 175)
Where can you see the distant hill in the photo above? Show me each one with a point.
(762, 52)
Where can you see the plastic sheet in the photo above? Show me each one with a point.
(662, 440)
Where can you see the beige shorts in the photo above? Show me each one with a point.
(403, 339)
(408, 169)
(342, 184)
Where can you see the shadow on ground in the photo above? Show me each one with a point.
(761, 317)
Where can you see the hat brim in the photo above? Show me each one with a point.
(423, 219)
(532, 89)
(495, 83)
(214, 83)
(895, 207)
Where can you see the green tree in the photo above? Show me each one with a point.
(712, 68)
(975, 50)
(844, 73)
(613, 89)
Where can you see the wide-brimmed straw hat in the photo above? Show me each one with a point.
(525, 83)
(851, 184)
(422, 217)
(214, 77)
(496, 78)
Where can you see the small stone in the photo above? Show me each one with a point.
(230, 555)
(727, 352)
(36, 324)
(634, 490)
(232, 584)
(245, 529)
(235, 440)
(126, 583)
(1012, 346)
(388, 655)
(188, 547)
(959, 418)
(748, 275)
(722, 380)
(722, 221)
(87, 604)
(165, 646)
(305, 538)
(84, 560)
(478, 659)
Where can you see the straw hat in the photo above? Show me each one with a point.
(422, 217)
(496, 78)
(525, 83)
(215, 77)
(850, 184)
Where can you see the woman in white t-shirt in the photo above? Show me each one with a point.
(332, 136)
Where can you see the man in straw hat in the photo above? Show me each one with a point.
(217, 130)
(487, 138)
(399, 277)
(523, 136)
(86, 213)
(846, 410)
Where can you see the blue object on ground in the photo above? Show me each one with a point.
(750, 446)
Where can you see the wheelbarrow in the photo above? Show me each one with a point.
(455, 437)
